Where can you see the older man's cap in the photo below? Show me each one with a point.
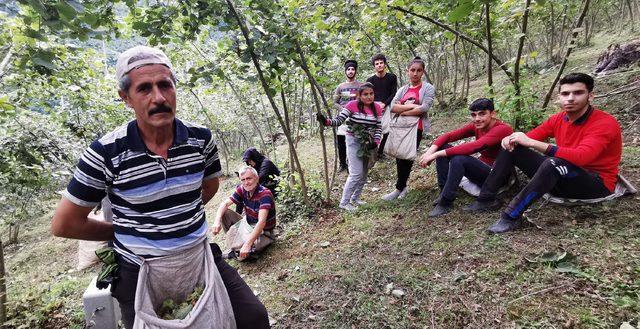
(139, 56)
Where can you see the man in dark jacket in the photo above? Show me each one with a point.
(267, 170)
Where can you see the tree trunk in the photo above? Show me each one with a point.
(14, 230)
(585, 8)
(5, 61)
(3, 287)
(265, 86)
(516, 66)
(314, 93)
(215, 131)
(503, 65)
(490, 49)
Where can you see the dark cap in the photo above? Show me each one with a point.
(350, 63)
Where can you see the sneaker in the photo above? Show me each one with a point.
(480, 206)
(506, 224)
(403, 193)
(348, 207)
(392, 196)
(358, 202)
(439, 210)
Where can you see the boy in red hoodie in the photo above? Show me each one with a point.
(582, 164)
(454, 162)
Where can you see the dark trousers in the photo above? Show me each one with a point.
(548, 175)
(382, 142)
(342, 150)
(247, 309)
(452, 169)
(403, 167)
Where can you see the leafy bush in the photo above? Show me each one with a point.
(528, 116)
(290, 201)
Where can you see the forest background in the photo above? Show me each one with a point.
(256, 72)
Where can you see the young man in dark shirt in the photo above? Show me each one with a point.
(385, 85)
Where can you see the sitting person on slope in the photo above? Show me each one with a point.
(454, 162)
(583, 164)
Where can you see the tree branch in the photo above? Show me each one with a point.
(583, 13)
(502, 64)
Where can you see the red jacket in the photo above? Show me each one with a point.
(592, 142)
(487, 142)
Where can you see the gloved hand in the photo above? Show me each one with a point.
(321, 118)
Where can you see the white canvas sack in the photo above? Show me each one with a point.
(403, 135)
(176, 276)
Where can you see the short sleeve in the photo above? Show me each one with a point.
(88, 185)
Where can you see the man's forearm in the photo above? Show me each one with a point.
(539, 146)
(257, 231)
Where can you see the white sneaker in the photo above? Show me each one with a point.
(403, 193)
(348, 207)
(391, 196)
(358, 202)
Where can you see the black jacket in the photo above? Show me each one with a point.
(267, 170)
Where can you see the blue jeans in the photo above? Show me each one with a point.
(452, 169)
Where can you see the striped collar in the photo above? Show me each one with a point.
(582, 119)
(135, 142)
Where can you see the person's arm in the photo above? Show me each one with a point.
(217, 223)
(257, 230)
(492, 138)
(70, 221)
(597, 137)
(209, 189)
(520, 138)
(431, 154)
(393, 88)
(396, 107)
(336, 99)
(340, 118)
(427, 97)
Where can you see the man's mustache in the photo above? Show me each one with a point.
(162, 108)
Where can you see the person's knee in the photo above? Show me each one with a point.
(553, 166)
(457, 160)
(252, 316)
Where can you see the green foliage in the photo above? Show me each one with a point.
(39, 307)
(290, 205)
(364, 136)
(521, 111)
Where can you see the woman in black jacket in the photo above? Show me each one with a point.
(267, 170)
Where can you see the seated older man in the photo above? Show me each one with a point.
(253, 232)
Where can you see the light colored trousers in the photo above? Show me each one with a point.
(358, 169)
(238, 232)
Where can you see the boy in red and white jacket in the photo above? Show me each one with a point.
(583, 164)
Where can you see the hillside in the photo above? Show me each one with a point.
(337, 270)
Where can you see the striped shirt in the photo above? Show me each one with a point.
(365, 118)
(157, 203)
(262, 198)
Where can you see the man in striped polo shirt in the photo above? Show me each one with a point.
(253, 232)
(157, 172)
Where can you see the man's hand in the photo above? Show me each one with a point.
(245, 250)
(515, 139)
(216, 228)
(426, 159)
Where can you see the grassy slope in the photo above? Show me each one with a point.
(452, 273)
